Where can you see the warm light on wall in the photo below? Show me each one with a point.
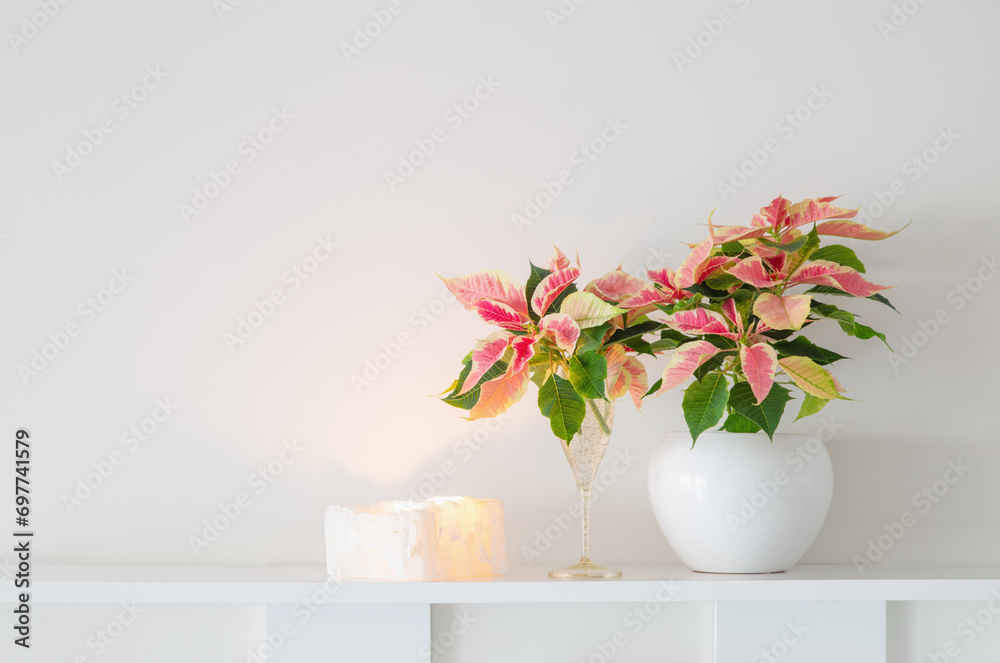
(441, 538)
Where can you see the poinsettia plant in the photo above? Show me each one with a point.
(575, 345)
(746, 309)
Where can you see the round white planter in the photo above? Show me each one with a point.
(738, 503)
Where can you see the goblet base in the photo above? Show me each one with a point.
(585, 570)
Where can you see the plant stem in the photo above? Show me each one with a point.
(604, 424)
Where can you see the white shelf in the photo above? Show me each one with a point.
(276, 585)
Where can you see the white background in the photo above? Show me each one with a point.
(888, 95)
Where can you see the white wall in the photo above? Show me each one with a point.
(886, 98)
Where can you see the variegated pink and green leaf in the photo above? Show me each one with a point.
(759, 362)
(588, 310)
(782, 312)
(699, 321)
(490, 284)
(685, 361)
(551, 287)
(557, 260)
(563, 330)
(638, 380)
(615, 286)
(824, 272)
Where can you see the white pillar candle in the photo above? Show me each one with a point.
(442, 538)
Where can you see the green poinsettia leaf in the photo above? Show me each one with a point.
(469, 399)
(592, 338)
(565, 409)
(704, 403)
(536, 276)
(767, 415)
(623, 335)
(842, 255)
(847, 322)
(804, 252)
(811, 405)
(828, 290)
(801, 346)
(466, 369)
(655, 388)
(587, 373)
(710, 365)
(737, 423)
(788, 247)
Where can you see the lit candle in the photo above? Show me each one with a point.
(442, 538)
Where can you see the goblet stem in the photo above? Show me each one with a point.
(585, 520)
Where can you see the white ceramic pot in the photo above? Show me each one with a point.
(738, 503)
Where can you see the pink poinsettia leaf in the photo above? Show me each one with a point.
(496, 396)
(524, 350)
(491, 284)
(732, 313)
(687, 272)
(824, 272)
(617, 380)
(499, 314)
(615, 286)
(557, 261)
(699, 321)
(788, 312)
(563, 330)
(664, 277)
(551, 287)
(817, 209)
(754, 272)
(852, 230)
(649, 296)
(638, 382)
(724, 234)
(685, 361)
(710, 266)
(776, 213)
(759, 363)
(486, 353)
